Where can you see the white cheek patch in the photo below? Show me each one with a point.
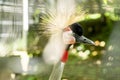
(68, 37)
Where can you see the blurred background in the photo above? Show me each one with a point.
(21, 42)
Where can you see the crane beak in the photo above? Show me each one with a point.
(83, 39)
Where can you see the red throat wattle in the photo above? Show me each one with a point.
(65, 56)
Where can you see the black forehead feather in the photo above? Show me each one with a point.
(76, 28)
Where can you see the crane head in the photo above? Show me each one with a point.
(74, 34)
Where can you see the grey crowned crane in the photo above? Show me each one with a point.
(71, 35)
(59, 24)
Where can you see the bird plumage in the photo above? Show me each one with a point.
(77, 29)
(58, 15)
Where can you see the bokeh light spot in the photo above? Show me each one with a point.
(94, 53)
(102, 43)
(97, 43)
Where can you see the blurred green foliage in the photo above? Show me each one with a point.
(98, 30)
